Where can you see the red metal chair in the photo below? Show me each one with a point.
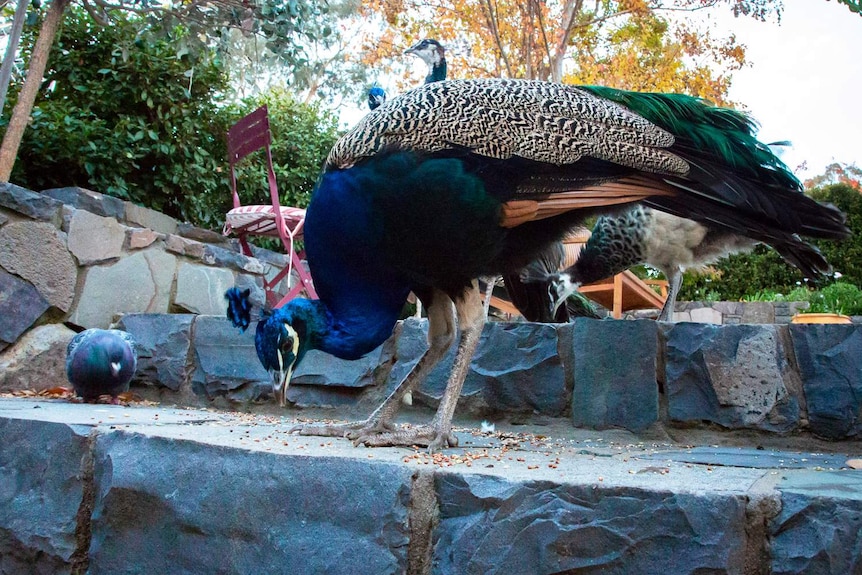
(249, 135)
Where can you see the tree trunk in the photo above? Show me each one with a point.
(27, 97)
(11, 50)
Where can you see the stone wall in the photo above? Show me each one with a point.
(76, 257)
(71, 258)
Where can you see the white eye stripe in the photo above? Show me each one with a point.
(294, 337)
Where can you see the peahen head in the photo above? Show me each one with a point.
(282, 336)
(433, 54)
(376, 97)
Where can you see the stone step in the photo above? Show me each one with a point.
(140, 489)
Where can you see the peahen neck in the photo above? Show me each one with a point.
(437, 73)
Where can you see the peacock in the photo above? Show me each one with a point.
(376, 96)
(530, 296)
(670, 243)
(463, 178)
(101, 362)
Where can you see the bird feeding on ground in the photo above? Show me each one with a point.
(466, 178)
(101, 362)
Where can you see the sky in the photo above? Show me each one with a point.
(803, 84)
(805, 81)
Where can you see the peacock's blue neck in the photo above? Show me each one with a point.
(361, 297)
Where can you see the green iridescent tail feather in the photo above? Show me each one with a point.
(722, 132)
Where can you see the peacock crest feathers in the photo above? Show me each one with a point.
(502, 118)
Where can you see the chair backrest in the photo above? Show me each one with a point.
(250, 134)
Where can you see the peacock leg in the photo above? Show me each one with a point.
(441, 334)
(438, 434)
(674, 283)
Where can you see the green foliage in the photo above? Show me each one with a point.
(840, 297)
(126, 116)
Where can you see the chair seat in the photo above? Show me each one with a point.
(260, 220)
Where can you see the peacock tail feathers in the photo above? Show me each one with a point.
(723, 132)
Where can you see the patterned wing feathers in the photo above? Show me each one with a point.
(546, 122)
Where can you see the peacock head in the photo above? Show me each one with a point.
(279, 347)
(376, 97)
(281, 337)
(430, 51)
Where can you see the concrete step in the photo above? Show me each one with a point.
(149, 489)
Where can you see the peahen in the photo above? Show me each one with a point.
(463, 178)
(433, 54)
(376, 97)
(101, 362)
(667, 242)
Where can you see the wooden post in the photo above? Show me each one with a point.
(618, 296)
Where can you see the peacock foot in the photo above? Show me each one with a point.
(348, 430)
(425, 435)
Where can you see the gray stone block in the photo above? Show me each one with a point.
(189, 231)
(36, 251)
(163, 342)
(95, 239)
(489, 525)
(179, 507)
(519, 369)
(320, 368)
(147, 218)
(831, 370)
(516, 368)
(29, 203)
(735, 375)
(139, 283)
(218, 256)
(758, 312)
(200, 289)
(225, 362)
(41, 488)
(93, 202)
(184, 246)
(615, 374)
(819, 529)
(37, 360)
(20, 306)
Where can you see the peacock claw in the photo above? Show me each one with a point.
(425, 435)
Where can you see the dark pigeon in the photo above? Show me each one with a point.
(101, 362)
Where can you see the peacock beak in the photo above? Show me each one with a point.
(116, 366)
(287, 356)
(282, 381)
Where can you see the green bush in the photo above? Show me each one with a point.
(840, 297)
(125, 114)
